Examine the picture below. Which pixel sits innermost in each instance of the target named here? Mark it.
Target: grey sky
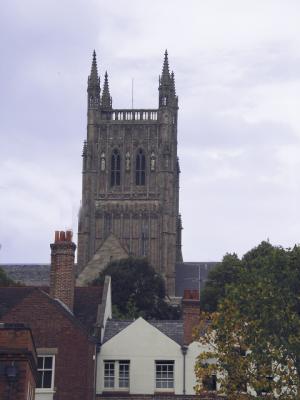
(237, 70)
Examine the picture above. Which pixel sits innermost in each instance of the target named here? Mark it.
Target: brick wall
(54, 327)
(191, 314)
(18, 356)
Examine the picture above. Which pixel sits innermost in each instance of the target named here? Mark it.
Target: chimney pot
(69, 235)
(56, 237)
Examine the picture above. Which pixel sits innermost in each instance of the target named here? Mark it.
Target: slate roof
(191, 275)
(113, 327)
(187, 274)
(171, 328)
(28, 274)
(86, 302)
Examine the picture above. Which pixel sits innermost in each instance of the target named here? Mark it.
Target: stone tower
(130, 187)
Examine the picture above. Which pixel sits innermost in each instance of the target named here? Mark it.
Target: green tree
(253, 339)
(137, 290)
(5, 280)
(218, 279)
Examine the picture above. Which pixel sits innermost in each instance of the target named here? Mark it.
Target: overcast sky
(237, 70)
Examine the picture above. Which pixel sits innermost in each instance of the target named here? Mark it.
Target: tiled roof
(171, 328)
(86, 301)
(113, 327)
(11, 296)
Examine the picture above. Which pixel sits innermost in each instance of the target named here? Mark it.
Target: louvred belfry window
(115, 178)
(140, 168)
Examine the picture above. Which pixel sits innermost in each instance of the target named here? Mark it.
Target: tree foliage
(137, 290)
(5, 280)
(253, 339)
(218, 278)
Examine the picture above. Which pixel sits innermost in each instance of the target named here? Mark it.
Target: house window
(140, 168)
(124, 374)
(45, 372)
(109, 374)
(210, 383)
(115, 177)
(164, 374)
(116, 374)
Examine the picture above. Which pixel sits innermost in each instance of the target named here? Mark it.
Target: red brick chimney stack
(62, 274)
(191, 314)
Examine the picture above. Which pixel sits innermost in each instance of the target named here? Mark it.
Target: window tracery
(115, 178)
(140, 168)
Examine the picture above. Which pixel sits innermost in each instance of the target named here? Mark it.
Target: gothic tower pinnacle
(165, 76)
(167, 92)
(94, 85)
(106, 100)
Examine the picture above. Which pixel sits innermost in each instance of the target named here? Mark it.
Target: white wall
(143, 344)
(108, 305)
(39, 395)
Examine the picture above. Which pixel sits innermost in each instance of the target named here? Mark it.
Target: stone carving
(152, 161)
(127, 161)
(102, 162)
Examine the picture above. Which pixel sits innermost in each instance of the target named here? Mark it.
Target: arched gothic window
(115, 177)
(140, 167)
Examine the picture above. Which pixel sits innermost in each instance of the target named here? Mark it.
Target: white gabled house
(149, 357)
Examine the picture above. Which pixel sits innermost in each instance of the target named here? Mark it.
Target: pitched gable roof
(171, 328)
(113, 327)
(86, 301)
(11, 296)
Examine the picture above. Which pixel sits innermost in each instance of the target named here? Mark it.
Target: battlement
(134, 115)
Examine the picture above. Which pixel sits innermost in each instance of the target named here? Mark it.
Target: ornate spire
(93, 78)
(173, 83)
(165, 76)
(94, 85)
(106, 101)
(167, 92)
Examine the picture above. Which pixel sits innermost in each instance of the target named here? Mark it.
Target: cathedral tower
(130, 187)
